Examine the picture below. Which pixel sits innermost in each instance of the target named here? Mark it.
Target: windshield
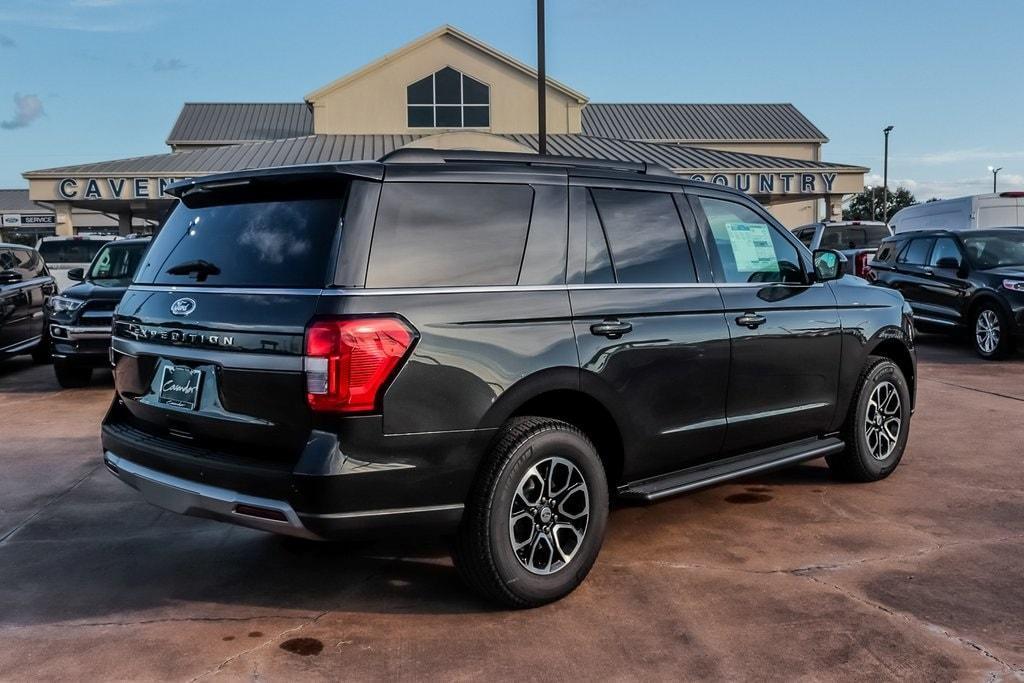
(116, 264)
(853, 236)
(996, 248)
(271, 236)
(69, 251)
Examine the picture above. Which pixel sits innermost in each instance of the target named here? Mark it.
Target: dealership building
(448, 90)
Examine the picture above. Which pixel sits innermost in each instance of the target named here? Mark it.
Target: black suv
(25, 284)
(80, 318)
(492, 345)
(960, 281)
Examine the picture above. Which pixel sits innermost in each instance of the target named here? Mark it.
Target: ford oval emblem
(183, 306)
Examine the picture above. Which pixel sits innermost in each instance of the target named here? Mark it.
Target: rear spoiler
(276, 174)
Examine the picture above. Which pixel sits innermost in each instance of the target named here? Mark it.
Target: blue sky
(87, 80)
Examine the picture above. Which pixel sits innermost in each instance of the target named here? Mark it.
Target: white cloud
(84, 15)
(953, 156)
(924, 190)
(27, 108)
(172, 64)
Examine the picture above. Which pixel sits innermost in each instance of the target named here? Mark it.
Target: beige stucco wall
(795, 214)
(375, 102)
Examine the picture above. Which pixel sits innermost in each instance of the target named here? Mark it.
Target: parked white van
(1002, 210)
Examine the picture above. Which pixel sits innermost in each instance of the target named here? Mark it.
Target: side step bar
(711, 473)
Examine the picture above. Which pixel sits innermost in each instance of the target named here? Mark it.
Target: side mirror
(948, 262)
(77, 274)
(828, 265)
(8, 277)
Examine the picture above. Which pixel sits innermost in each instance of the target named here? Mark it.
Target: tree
(867, 205)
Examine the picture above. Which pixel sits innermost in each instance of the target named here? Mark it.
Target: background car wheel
(71, 376)
(41, 353)
(992, 337)
(878, 425)
(535, 521)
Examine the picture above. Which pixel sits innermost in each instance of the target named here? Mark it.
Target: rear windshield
(995, 249)
(267, 237)
(69, 251)
(116, 264)
(853, 236)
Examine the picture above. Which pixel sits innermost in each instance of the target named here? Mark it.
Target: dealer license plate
(179, 386)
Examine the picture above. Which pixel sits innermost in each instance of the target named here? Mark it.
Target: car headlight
(62, 304)
(1014, 285)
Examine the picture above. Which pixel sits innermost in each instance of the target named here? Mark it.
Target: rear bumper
(324, 493)
(187, 497)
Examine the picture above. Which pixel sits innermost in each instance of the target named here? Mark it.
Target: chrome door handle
(751, 320)
(613, 329)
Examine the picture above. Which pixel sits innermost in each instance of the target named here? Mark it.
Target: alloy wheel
(883, 420)
(549, 516)
(986, 331)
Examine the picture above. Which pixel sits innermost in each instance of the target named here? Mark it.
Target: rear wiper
(201, 268)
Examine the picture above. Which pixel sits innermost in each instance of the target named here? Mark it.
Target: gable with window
(449, 99)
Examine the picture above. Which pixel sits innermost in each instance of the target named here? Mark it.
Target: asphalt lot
(782, 576)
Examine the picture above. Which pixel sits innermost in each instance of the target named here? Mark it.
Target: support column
(124, 222)
(834, 207)
(65, 224)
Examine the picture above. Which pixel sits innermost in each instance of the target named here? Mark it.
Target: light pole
(995, 172)
(542, 84)
(885, 177)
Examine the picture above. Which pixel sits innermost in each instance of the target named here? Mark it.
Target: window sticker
(752, 247)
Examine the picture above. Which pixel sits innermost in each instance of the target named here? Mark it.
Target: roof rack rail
(424, 155)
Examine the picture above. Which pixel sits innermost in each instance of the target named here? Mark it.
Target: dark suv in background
(81, 316)
(25, 285)
(491, 345)
(970, 281)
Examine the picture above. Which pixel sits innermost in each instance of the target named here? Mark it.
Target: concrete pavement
(783, 576)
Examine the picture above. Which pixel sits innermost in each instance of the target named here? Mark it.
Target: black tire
(991, 314)
(41, 352)
(483, 548)
(71, 376)
(867, 459)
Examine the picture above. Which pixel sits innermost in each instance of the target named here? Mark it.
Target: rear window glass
(69, 251)
(449, 234)
(853, 236)
(286, 240)
(645, 235)
(887, 251)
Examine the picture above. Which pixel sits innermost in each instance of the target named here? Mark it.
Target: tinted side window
(7, 260)
(945, 247)
(916, 253)
(645, 236)
(748, 248)
(449, 234)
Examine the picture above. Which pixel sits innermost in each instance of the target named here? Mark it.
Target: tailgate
(222, 371)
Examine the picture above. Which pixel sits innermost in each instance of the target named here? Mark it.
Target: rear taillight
(349, 360)
(860, 264)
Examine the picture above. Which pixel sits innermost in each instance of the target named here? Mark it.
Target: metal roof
(229, 122)
(313, 149)
(222, 123)
(700, 122)
(17, 200)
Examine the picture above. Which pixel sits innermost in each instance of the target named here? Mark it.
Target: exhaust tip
(260, 512)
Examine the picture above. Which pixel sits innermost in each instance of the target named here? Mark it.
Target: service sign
(18, 220)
